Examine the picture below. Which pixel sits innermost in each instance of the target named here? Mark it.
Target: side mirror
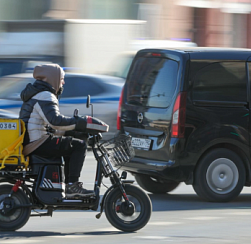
(88, 102)
(75, 114)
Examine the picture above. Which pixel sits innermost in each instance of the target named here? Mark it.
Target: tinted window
(81, 86)
(219, 81)
(152, 82)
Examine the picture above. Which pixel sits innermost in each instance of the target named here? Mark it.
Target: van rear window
(152, 82)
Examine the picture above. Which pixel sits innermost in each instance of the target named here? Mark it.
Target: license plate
(141, 143)
(8, 126)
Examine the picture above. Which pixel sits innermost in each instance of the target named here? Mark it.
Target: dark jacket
(40, 109)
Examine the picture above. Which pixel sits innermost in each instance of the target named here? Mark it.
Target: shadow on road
(172, 202)
(160, 202)
(32, 234)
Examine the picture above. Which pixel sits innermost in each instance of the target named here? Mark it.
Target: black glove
(81, 124)
(76, 134)
(49, 129)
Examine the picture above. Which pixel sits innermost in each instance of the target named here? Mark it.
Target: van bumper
(161, 169)
(168, 170)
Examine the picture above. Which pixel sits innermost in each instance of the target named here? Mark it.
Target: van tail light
(156, 54)
(179, 116)
(119, 110)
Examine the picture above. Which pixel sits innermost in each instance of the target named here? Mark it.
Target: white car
(104, 90)
(7, 114)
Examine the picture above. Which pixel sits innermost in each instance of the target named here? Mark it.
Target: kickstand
(101, 211)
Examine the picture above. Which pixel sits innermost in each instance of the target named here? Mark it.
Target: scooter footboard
(50, 186)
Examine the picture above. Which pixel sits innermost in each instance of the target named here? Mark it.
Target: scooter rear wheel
(128, 218)
(16, 218)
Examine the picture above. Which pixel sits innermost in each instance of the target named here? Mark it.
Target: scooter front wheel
(128, 217)
(12, 218)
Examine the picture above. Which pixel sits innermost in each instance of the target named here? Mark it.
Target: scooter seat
(37, 162)
(35, 159)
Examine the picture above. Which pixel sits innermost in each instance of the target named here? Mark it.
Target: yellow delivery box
(11, 138)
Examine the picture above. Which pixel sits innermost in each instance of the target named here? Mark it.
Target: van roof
(140, 44)
(217, 53)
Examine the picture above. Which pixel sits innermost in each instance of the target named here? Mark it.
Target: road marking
(70, 236)
(164, 223)
(240, 213)
(89, 156)
(151, 237)
(204, 218)
(107, 229)
(20, 241)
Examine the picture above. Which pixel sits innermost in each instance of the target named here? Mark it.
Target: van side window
(219, 81)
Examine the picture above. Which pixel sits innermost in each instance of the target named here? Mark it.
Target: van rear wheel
(220, 176)
(154, 185)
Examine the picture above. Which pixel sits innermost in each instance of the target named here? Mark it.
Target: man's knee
(79, 145)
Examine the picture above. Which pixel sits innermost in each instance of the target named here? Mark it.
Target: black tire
(153, 185)
(18, 217)
(142, 206)
(220, 176)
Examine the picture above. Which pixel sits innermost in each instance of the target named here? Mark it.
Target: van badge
(140, 117)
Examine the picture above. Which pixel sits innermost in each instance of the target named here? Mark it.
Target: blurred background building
(205, 22)
(102, 37)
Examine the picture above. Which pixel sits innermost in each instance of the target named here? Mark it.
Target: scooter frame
(104, 169)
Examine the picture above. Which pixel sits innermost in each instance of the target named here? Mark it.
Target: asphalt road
(178, 217)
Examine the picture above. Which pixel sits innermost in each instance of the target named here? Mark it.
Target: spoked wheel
(128, 217)
(13, 219)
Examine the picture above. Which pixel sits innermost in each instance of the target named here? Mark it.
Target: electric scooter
(25, 191)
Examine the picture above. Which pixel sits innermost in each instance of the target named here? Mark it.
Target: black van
(187, 111)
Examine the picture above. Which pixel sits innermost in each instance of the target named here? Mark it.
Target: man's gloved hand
(49, 129)
(81, 124)
(76, 134)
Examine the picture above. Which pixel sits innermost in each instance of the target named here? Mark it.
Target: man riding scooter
(48, 133)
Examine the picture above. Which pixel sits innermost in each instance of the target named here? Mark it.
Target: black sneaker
(76, 190)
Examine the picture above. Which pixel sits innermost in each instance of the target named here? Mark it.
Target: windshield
(152, 82)
(11, 87)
